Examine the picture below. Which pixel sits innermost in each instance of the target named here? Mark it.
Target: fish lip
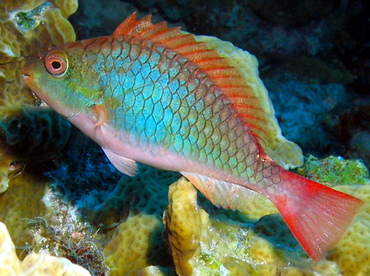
(28, 79)
(25, 72)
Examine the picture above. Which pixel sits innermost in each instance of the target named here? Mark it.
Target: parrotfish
(153, 94)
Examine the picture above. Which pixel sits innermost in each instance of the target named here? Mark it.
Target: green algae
(333, 171)
(29, 20)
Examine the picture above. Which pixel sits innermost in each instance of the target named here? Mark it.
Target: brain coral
(34, 264)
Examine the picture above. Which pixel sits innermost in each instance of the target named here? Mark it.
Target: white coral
(34, 264)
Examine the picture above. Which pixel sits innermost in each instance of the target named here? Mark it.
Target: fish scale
(154, 95)
(182, 104)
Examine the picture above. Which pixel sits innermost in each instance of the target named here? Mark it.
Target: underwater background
(62, 197)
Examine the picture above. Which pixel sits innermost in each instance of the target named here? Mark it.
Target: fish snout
(26, 70)
(27, 75)
(27, 67)
(32, 65)
(29, 71)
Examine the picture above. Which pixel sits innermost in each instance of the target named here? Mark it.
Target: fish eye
(56, 63)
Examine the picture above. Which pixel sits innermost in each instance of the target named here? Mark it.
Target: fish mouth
(27, 75)
(29, 80)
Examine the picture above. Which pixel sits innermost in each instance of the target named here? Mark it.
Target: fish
(153, 94)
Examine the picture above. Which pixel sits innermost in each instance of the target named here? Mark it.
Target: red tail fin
(317, 215)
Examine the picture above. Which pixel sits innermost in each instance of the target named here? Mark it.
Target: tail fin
(317, 215)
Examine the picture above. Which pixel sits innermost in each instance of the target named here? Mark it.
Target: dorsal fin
(226, 77)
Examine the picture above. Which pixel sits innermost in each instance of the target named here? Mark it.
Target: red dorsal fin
(131, 26)
(226, 77)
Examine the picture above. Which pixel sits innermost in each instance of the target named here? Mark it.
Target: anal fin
(223, 194)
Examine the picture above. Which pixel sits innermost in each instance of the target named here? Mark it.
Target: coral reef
(202, 245)
(28, 27)
(137, 241)
(146, 192)
(16, 204)
(43, 221)
(32, 141)
(27, 134)
(34, 264)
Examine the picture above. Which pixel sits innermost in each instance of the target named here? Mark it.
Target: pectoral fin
(101, 114)
(223, 194)
(121, 163)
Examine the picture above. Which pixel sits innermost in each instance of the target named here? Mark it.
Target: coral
(28, 27)
(333, 171)
(284, 152)
(204, 245)
(146, 192)
(42, 217)
(139, 202)
(128, 251)
(76, 241)
(34, 264)
(352, 253)
(18, 203)
(186, 228)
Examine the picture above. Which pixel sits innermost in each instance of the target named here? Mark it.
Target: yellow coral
(352, 253)
(284, 152)
(127, 252)
(28, 27)
(34, 264)
(17, 204)
(203, 246)
(186, 225)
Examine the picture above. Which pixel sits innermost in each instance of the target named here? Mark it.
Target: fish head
(62, 80)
